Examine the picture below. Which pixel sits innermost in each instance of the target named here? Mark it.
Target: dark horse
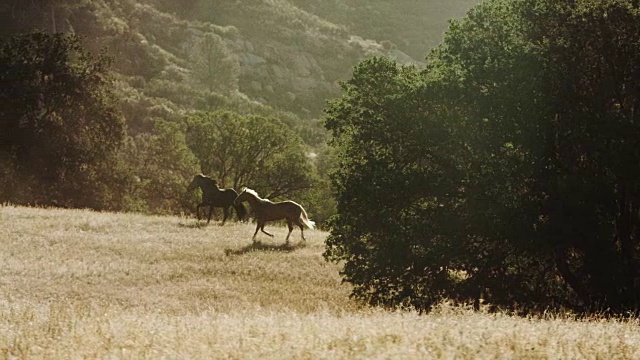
(265, 210)
(213, 196)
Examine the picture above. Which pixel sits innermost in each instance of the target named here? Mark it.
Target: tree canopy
(505, 171)
(257, 151)
(60, 128)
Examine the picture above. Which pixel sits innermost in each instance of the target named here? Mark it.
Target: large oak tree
(506, 170)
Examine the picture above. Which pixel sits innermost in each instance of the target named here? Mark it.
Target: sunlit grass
(81, 284)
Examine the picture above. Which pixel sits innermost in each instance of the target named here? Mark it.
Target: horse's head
(242, 196)
(197, 180)
(247, 194)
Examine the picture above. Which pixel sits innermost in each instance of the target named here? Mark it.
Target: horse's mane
(254, 193)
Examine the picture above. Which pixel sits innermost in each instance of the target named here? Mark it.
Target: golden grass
(80, 284)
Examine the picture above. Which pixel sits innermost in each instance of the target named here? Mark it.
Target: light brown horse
(265, 210)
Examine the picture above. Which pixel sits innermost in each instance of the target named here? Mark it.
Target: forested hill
(183, 76)
(196, 54)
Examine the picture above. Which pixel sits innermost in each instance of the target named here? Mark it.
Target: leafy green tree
(60, 128)
(255, 151)
(160, 168)
(397, 187)
(504, 170)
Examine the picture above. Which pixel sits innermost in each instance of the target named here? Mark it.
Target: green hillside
(283, 55)
(413, 27)
(273, 59)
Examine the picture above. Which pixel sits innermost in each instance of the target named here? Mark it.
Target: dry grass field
(79, 284)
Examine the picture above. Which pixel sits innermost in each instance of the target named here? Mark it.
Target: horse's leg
(262, 229)
(256, 233)
(290, 225)
(240, 212)
(225, 211)
(302, 232)
(210, 211)
(301, 226)
(198, 211)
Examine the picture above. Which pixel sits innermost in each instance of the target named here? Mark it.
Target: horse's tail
(305, 219)
(241, 211)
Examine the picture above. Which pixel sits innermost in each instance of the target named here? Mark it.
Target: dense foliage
(250, 150)
(505, 171)
(159, 165)
(60, 127)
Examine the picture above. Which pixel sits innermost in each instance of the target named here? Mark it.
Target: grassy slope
(75, 283)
